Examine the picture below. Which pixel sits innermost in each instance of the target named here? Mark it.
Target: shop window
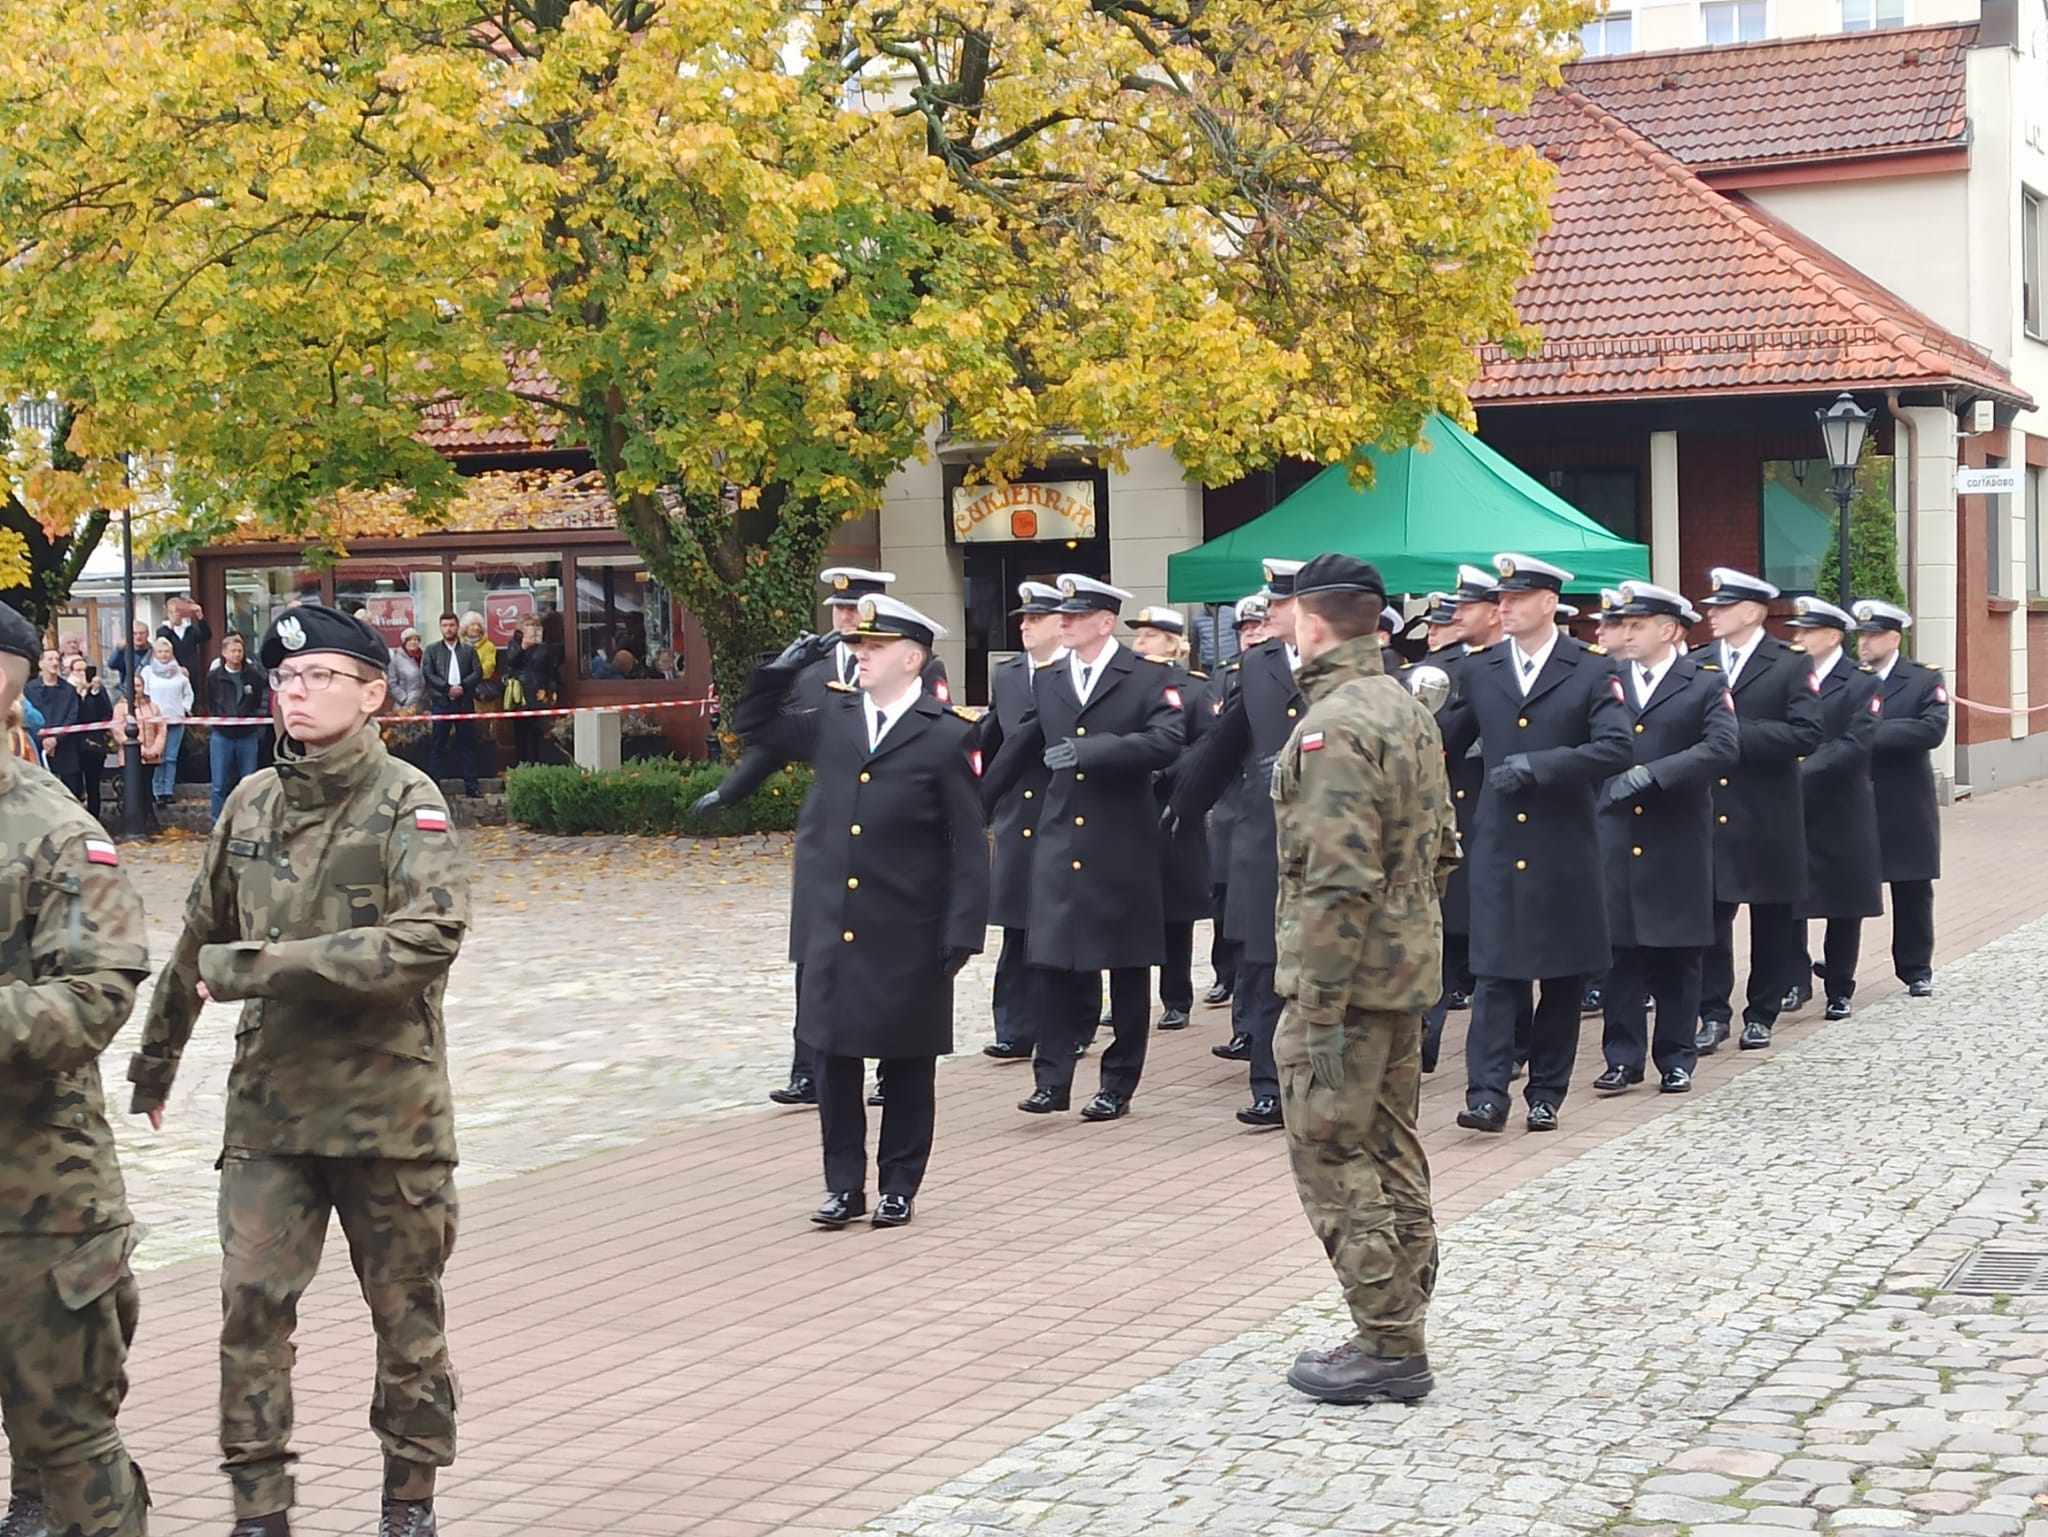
(507, 590)
(1734, 21)
(394, 596)
(1609, 34)
(624, 620)
(255, 594)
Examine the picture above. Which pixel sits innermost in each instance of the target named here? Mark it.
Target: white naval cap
(1819, 614)
(1476, 584)
(1037, 598)
(1732, 586)
(1525, 573)
(1086, 595)
(1249, 609)
(885, 618)
(1279, 575)
(850, 584)
(1171, 620)
(1874, 616)
(1646, 600)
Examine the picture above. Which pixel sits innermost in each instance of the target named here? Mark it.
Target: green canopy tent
(1428, 510)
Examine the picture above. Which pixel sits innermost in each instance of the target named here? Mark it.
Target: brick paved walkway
(653, 1340)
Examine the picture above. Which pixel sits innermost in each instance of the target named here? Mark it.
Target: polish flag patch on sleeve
(974, 762)
(429, 820)
(1614, 683)
(1940, 694)
(1876, 705)
(1173, 697)
(1312, 742)
(945, 695)
(98, 851)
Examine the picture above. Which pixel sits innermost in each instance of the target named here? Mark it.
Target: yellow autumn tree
(749, 252)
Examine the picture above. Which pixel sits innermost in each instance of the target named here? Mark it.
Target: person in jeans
(234, 686)
(168, 687)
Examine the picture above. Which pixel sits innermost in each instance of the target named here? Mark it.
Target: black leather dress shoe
(1756, 1035)
(1542, 1117)
(1616, 1080)
(1708, 1038)
(1838, 1008)
(1173, 1019)
(840, 1208)
(1796, 999)
(1484, 1118)
(892, 1211)
(1220, 993)
(1238, 1049)
(1042, 1102)
(1589, 1001)
(1458, 1000)
(1677, 1081)
(1106, 1107)
(1924, 988)
(1264, 1113)
(1004, 1051)
(802, 1090)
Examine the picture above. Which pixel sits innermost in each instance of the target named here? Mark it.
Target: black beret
(1338, 573)
(305, 628)
(18, 637)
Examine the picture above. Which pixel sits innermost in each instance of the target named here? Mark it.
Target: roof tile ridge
(1845, 41)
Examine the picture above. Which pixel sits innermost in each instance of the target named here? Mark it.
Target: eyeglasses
(312, 679)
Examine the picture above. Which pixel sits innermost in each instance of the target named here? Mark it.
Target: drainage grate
(1992, 1271)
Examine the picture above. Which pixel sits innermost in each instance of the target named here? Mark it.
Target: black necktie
(1528, 664)
(852, 667)
(1085, 670)
(1645, 674)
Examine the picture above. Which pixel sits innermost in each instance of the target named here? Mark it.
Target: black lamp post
(135, 807)
(1842, 426)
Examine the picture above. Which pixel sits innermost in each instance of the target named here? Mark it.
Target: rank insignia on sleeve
(1313, 742)
(429, 820)
(98, 851)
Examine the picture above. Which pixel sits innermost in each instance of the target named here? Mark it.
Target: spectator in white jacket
(169, 688)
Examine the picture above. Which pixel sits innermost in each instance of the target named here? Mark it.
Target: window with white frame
(1613, 33)
(1869, 15)
(1733, 21)
(2036, 484)
(2031, 275)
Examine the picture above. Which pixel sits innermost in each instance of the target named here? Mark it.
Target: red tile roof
(450, 429)
(1650, 282)
(1816, 98)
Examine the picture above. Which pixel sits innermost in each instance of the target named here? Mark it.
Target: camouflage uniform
(72, 960)
(1367, 841)
(332, 900)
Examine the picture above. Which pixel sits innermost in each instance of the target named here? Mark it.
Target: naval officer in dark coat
(1759, 810)
(831, 660)
(1549, 715)
(891, 883)
(1014, 820)
(1249, 616)
(1103, 721)
(1842, 865)
(1914, 723)
(1657, 837)
(1159, 635)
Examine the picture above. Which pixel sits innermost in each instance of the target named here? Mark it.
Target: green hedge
(652, 796)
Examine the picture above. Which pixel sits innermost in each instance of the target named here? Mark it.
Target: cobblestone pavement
(1720, 1323)
(608, 987)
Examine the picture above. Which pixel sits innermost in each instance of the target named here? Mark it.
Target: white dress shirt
(1529, 665)
(1646, 676)
(846, 664)
(1732, 659)
(880, 719)
(1087, 674)
(1822, 669)
(1293, 657)
(1884, 673)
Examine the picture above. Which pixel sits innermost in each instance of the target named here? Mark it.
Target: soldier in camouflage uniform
(331, 903)
(72, 960)
(1367, 842)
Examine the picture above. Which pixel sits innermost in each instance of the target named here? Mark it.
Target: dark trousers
(1255, 1012)
(905, 1146)
(93, 765)
(1067, 1018)
(1773, 963)
(1457, 979)
(461, 727)
(802, 1064)
(1499, 1004)
(1014, 1007)
(1913, 930)
(1672, 977)
(1177, 972)
(526, 738)
(1841, 950)
(1222, 951)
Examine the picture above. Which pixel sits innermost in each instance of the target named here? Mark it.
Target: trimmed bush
(651, 796)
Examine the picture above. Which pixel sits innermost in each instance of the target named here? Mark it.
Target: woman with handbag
(531, 670)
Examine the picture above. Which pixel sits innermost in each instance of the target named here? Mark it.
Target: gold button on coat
(1080, 731)
(1080, 821)
(1722, 820)
(1461, 794)
(1724, 781)
(1029, 793)
(1521, 816)
(1522, 720)
(855, 829)
(1077, 864)
(864, 776)
(1079, 777)
(853, 883)
(847, 936)
(1292, 712)
(1027, 832)
(1639, 811)
(1637, 851)
(1521, 864)
(1639, 728)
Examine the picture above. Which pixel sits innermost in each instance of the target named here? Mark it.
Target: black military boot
(25, 1516)
(1348, 1375)
(278, 1524)
(407, 1518)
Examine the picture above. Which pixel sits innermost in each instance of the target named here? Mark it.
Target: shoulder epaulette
(1793, 645)
(1865, 667)
(1710, 667)
(1041, 666)
(1202, 675)
(1597, 650)
(842, 688)
(964, 713)
(1232, 665)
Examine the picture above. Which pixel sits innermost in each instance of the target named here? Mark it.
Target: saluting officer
(1015, 821)
(1548, 713)
(1250, 618)
(1842, 864)
(832, 658)
(74, 958)
(1241, 749)
(1914, 723)
(330, 903)
(1657, 836)
(1159, 635)
(890, 890)
(1103, 721)
(1759, 811)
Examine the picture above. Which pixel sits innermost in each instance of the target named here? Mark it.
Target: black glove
(1063, 754)
(952, 958)
(705, 804)
(1626, 786)
(797, 655)
(822, 646)
(1512, 773)
(1169, 822)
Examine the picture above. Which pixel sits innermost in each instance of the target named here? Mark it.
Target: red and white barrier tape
(471, 715)
(1997, 709)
